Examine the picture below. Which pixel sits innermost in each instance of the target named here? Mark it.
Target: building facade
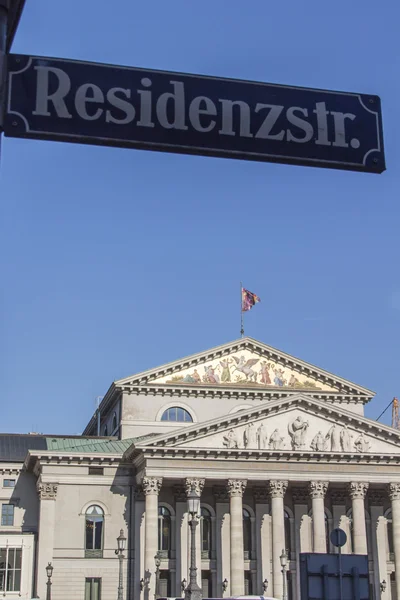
(278, 450)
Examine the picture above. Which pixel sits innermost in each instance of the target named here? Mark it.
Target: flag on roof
(248, 300)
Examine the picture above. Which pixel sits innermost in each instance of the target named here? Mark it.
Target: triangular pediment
(246, 363)
(294, 424)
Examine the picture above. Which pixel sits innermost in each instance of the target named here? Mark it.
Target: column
(300, 498)
(138, 542)
(317, 490)
(151, 488)
(263, 540)
(222, 540)
(236, 489)
(277, 490)
(376, 501)
(357, 491)
(47, 494)
(197, 485)
(394, 495)
(181, 536)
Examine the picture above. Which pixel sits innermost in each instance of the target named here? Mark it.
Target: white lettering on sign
(172, 109)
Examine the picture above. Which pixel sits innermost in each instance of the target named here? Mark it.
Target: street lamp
(225, 585)
(383, 586)
(157, 560)
(265, 585)
(284, 559)
(121, 541)
(49, 572)
(193, 590)
(183, 584)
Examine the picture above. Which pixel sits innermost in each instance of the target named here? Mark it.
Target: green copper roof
(92, 445)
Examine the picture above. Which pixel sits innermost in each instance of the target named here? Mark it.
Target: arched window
(205, 529)
(177, 414)
(164, 529)
(246, 534)
(390, 531)
(114, 422)
(94, 526)
(287, 532)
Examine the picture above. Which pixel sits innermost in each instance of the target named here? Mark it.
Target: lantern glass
(121, 540)
(49, 570)
(193, 503)
(283, 558)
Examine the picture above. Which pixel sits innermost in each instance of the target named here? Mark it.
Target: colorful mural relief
(244, 368)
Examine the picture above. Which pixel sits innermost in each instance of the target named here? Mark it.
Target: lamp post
(49, 571)
(121, 541)
(157, 560)
(284, 559)
(193, 590)
(183, 585)
(383, 586)
(265, 585)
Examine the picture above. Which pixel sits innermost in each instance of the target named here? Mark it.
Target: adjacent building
(278, 450)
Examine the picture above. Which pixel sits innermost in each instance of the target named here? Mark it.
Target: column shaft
(317, 492)
(277, 492)
(236, 488)
(151, 488)
(47, 493)
(357, 492)
(394, 492)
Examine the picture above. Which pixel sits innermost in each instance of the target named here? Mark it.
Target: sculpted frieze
(295, 430)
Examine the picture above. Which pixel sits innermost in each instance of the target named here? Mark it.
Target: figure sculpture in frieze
(250, 436)
(318, 443)
(276, 441)
(226, 373)
(245, 366)
(297, 430)
(333, 439)
(262, 437)
(362, 444)
(264, 373)
(346, 439)
(230, 439)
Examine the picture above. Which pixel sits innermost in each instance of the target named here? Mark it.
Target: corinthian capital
(151, 485)
(236, 487)
(394, 491)
(47, 491)
(194, 484)
(317, 489)
(357, 489)
(277, 488)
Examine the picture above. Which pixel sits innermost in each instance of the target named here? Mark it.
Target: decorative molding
(195, 484)
(277, 488)
(394, 491)
(236, 487)
(300, 495)
(151, 485)
(261, 495)
(317, 489)
(220, 493)
(179, 492)
(376, 497)
(357, 489)
(338, 496)
(47, 491)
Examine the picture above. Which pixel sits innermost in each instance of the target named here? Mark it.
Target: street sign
(92, 103)
(338, 537)
(14, 14)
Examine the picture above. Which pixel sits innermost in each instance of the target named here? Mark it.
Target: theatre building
(278, 450)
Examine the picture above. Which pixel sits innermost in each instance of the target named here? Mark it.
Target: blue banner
(92, 103)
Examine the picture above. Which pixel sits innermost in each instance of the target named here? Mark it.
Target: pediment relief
(298, 424)
(245, 367)
(246, 363)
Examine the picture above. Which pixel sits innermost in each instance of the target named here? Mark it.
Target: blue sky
(117, 260)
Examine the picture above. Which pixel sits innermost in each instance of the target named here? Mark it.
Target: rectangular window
(9, 483)
(7, 514)
(96, 471)
(93, 588)
(10, 569)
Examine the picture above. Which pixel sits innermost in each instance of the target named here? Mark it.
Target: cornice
(34, 459)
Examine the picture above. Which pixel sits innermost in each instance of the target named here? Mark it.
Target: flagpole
(241, 311)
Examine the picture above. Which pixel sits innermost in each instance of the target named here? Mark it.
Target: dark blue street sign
(92, 103)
